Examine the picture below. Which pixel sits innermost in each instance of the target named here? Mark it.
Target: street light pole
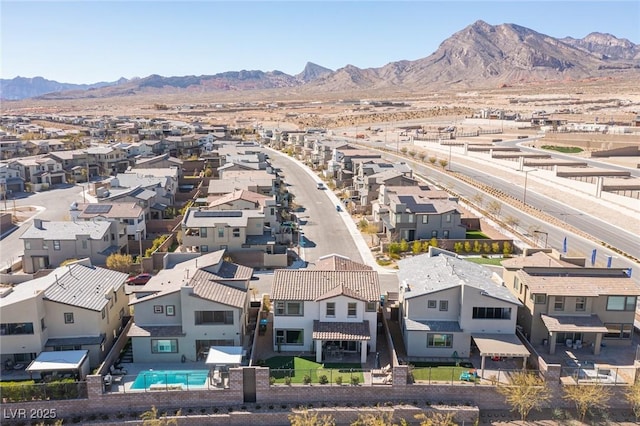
(450, 157)
(546, 236)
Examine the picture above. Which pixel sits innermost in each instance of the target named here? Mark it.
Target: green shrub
(355, 380)
(338, 380)
(323, 379)
(306, 379)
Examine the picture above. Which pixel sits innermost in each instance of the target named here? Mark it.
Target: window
(158, 309)
(516, 283)
(410, 218)
(290, 337)
(434, 234)
(444, 305)
(621, 303)
(447, 218)
(115, 296)
(445, 234)
(435, 340)
(204, 248)
(164, 346)
(432, 304)
(84, 244)
(220, 232)
(236, 232)
(68, 317)
(618, 331)
(289, 308)
(104, 312)
(352, 309)
(45, 245)
(331, 309)
(558, 303)
(203, 232)
(371, 306)
(43, 326)
(16, 328)
(27, 245)
(540, 299)
(581, 303)
(491, 313)
(425, 218)
(170, 310)
(213, 317)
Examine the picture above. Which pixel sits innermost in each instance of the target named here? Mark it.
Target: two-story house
(129, 217)
(10, 179)
(447, 302)
(48, 244)
(189, 307)
(567, 304)
(415, 216)
(246, 200)
(41, 172)
(77, 306)
(330, 312)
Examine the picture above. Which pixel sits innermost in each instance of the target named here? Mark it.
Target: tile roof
(67, 230)
(537, 259)
(579, 285)
(341, 290)
(341, 330)
(289, 284)
(205, 286)
(424, 274)
(85, 286)
(336, 262)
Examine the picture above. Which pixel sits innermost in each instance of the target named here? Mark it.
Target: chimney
(37, 223)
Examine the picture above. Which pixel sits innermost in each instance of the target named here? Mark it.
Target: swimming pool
(157, 378)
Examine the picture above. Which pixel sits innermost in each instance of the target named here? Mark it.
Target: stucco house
(189, 307)
(48, 243)
(76, 306)
(568, 304)
(448, 305)
(332, 312)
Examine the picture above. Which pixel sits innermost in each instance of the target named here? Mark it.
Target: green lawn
(564, 149)
(298, 367)
(476, 235)
(497, 261)
(439, 373)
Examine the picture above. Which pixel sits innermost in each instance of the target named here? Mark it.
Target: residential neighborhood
(196, 249)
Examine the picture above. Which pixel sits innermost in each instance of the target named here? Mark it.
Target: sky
(88, 41)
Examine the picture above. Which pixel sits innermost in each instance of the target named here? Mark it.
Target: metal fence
(462, 375)
(153, 381)
(591, 374)
(21, 392)
(323, 376)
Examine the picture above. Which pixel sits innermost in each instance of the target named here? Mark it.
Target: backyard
(439, 372)
(300, 370)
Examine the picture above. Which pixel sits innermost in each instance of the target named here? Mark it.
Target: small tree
(433, 242)
(457, 247)
(416, 247)
(506, 248)
(476, 246)
(403, 150)
(306, 418)
(495, 247)
(119, 262)
(494, 207)
(586, 397)
(443, 163)
(512, 221)
(467, 247)
(435, 419)
(478, 199)
(433, 160)
(412, 153)
(422, 156)
(152, 418)
(633, 396)
(486, 248)
(527, 392)
(380, 418)
(404, 246)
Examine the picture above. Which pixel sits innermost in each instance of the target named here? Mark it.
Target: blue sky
(91, 41)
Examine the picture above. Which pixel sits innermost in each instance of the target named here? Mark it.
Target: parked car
(141, 279)
(320, 185)
(338, 208)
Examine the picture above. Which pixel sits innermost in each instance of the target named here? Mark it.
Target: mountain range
(478, 56)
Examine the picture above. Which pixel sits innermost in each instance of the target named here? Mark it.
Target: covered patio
(220, 359)
(334, 339)
(498, 346)
(574, 331)
(61, 364)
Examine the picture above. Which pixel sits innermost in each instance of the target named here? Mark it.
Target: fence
(588, 373)
(60, 390)
(154, 381)
(322, 376)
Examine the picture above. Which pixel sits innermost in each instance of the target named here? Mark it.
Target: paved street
(52, 205)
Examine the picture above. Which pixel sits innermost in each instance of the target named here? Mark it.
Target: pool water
(186, 378)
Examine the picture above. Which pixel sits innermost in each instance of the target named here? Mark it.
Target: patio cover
(568, 324)
(502, 345)
(341, 330)
(225, 355)
(58, 361)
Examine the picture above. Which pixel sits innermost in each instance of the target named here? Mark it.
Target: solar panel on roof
(98, 208)
(217, 213)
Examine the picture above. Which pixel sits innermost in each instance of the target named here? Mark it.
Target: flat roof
(507, 345)
(225, 355)
(58, 360)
